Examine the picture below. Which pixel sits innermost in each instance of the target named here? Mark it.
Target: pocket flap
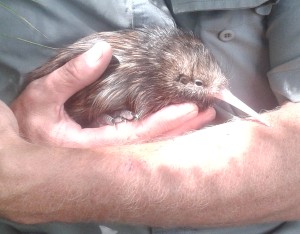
(181, 6)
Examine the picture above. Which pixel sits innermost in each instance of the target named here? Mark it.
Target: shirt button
(226, 35)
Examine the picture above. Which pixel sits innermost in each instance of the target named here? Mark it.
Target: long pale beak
(226, 96)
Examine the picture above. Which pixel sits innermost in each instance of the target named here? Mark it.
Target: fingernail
(94, 54)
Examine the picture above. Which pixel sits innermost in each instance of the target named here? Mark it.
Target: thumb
(79, 72)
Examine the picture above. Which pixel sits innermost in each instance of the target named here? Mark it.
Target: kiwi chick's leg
(102, 120)
(123, 116)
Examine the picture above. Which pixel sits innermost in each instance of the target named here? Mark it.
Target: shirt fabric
(256, 43)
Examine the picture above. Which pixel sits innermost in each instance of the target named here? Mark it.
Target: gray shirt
(256, 43)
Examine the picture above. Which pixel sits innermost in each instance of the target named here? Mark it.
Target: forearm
(236, 173)
(223, 175)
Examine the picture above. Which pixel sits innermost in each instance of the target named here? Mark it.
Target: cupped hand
(42, 118)
(8, 123)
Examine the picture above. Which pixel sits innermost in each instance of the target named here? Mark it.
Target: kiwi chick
(150, 69)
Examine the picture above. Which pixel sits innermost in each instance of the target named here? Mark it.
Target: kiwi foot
(115, 118)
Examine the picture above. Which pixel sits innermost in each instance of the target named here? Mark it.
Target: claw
(116, 118)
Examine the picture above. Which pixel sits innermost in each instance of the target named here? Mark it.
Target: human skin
(236, 173)
(42, 118)
(242, 169)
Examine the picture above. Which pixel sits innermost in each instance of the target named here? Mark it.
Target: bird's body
(150, 69)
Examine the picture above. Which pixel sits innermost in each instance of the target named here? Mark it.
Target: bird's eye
(183, 79)
(198, 82)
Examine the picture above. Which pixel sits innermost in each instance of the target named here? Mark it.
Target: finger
(79, 72)
(200, 121)
(165, 120)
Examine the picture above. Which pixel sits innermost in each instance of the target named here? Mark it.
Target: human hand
(246, 162)
(8, 124)
(42, 118)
